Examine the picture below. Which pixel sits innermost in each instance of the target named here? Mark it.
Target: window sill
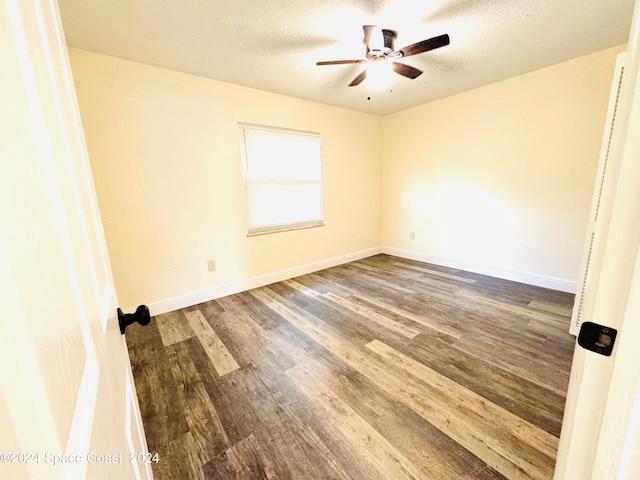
(283, 228)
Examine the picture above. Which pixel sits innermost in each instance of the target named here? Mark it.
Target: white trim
(253, 232)
(255, 126)
(134, 421)
(603, 197)
(188, 300)
(553, 283)
(128, 424)
(599, 438)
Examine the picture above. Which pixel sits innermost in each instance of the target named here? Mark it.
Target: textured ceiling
(273, 44)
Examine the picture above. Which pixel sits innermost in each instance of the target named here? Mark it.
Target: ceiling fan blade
(423, 46)
(406, 70)
(340, 62)
(358, 80)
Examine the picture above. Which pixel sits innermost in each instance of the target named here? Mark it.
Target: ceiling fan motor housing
(374, 54)
(379, 43)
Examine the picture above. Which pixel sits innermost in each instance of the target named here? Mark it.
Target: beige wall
(165, 154)
(497, 180)
(500, 177)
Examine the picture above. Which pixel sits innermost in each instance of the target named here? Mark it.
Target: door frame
(600, 435)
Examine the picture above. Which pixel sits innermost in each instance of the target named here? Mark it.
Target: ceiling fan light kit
(380, 50)
(379, 75)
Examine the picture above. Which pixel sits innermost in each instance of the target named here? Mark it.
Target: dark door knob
(141, 315)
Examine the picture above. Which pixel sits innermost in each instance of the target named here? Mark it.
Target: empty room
(313, 240)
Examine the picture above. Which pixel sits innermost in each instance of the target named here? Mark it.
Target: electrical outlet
(211, 265)
(412, 235)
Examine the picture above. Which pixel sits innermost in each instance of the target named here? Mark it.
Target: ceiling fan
(379, 43)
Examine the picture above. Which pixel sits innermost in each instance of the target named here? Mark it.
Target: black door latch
(597, 338)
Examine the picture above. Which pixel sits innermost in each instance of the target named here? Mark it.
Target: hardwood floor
(383, 368)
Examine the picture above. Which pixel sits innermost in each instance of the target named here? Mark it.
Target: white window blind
(282, 172)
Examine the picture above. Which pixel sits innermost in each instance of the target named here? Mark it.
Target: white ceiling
(273, 44)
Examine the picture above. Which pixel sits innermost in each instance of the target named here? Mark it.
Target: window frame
(248, 181)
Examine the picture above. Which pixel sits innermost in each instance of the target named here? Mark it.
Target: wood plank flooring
(384, 368)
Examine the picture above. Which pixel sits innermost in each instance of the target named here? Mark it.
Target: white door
(600, 436)
(68, 409)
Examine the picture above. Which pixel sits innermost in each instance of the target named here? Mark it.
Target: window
(282, 172)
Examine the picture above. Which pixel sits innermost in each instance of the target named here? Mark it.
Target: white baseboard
(190, 299)
(195, 298)
(553, 283)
